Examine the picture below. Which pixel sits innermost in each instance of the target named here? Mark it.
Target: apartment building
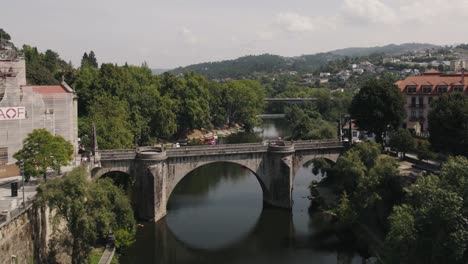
(421, 90)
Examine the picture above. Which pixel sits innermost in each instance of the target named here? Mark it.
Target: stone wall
(24, 237)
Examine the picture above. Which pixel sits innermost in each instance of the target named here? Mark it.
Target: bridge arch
(182, 174)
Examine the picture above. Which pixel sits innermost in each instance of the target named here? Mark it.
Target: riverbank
(220, 132)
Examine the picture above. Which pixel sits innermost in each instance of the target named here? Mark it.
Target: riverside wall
(23, 238)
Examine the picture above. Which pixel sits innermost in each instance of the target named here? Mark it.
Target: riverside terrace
(157, 171)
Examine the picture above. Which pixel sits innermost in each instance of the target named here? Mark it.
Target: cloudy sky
(174, 33)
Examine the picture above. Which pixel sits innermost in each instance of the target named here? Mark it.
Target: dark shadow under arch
(121, 179)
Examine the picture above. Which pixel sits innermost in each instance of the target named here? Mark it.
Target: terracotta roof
(48, 89)
(439, 79)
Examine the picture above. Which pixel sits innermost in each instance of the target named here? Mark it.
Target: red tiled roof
(48, 89)
(438, 79)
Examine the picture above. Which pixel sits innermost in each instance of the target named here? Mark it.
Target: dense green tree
(368, 152)
(111, 118)
(402, 141)
(373, 185)
(348, 170)
(41, 151)
(85, 60)
(308, 124)
(4, 35)
(51, 59)
(45, 68)
(423, 150)
(454, 176)
(242, 101)
(448, 124)
(92, 61)
(91, 210)
(345, 212)
(378, 107)
(440, 229)
(402, 235)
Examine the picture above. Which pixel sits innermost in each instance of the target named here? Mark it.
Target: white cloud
(188, 36)
(433, 11)
(294, 22)
(265, 35)
(369, 11)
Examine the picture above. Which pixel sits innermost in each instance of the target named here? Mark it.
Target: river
(216, 215)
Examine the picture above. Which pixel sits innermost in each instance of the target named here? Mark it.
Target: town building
(24, 107)
(421, 90)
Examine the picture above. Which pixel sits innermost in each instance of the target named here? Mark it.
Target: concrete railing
(120, 154)
(160, 153)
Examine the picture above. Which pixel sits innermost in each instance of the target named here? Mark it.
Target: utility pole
(22, 180)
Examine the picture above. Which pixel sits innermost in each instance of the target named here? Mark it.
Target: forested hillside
(253, 65)
(391, 49)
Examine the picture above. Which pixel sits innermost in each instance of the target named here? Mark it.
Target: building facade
(24, 107)
(419, 92)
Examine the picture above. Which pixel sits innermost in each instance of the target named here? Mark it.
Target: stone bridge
(157, 171)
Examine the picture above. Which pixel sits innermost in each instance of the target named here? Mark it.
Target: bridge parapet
(121, 154)
(182, 152)
(151, 153)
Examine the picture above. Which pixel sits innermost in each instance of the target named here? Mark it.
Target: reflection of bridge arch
(157, 171)
(259, 237)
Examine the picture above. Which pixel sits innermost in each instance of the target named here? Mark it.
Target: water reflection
(207, 209)
(271, 129)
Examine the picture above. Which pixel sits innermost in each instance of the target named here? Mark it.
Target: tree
(345, 212)
(85, 60)
(41, 151)
(92, 61)
(440, 232)
(4, 35)
(454, 176)
(402, 141)
(91, 209)
(378, 107)
(111, 117)
(448, 124)
(423, 150)
(368, 152)
(401, 236)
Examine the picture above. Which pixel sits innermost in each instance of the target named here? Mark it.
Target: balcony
(416, 119)
(419, 106)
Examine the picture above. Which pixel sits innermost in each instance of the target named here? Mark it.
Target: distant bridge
(290, 100)
(157, 170)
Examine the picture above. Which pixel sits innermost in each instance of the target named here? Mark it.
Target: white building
(24, 107)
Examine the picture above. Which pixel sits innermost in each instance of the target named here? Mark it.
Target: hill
(391, 49)
(249, 66)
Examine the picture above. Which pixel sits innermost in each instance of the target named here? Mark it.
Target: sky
(168, 34)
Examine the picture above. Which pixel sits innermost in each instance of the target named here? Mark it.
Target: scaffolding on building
(24, 108)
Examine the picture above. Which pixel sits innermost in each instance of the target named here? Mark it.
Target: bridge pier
(278, 176)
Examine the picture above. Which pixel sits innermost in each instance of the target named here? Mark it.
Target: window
(458, 88)
(411, 88)
(3, 155)
(420, 113)
(413, 114)
(427, 89)
(442, 88)
(429, 100)
(420, 100)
